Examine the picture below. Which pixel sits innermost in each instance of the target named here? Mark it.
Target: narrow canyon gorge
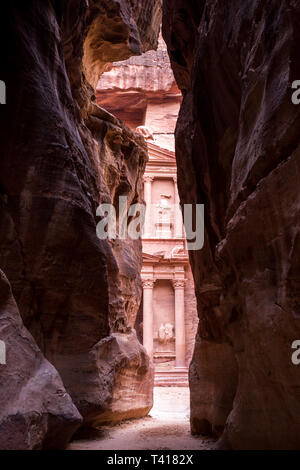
(69, 300)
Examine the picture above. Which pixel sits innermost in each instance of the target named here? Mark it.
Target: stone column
(148, 315)
(148, 199)
(177, 212)
(179, 322)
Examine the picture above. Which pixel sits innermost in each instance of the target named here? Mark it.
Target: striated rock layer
(238, 153)
(117, 30)
(62, 155)
(142, 91)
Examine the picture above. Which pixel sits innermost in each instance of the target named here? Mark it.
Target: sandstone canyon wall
(62, 155)
(237, 144)
(142, 91)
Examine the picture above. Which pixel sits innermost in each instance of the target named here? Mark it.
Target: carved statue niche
(166, 333)
(163, 224)
(163, 205)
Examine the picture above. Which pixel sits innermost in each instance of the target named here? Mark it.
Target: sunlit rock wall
(142, 91)
(117, 30)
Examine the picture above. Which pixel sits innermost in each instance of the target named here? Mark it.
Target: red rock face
(36, 411)
(142, 91)
(238, 153)
(117, 30)
(61, 156)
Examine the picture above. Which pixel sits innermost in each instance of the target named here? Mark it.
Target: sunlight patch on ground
(166, 428)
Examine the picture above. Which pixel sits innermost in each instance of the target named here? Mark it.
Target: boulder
(36, 411)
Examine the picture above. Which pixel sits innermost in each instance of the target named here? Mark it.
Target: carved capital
(178, 283)
(148, 179)
(148, 283)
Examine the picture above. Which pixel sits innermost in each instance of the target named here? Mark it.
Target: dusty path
(166, 427)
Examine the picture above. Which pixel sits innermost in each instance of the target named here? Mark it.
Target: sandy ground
(166, 428)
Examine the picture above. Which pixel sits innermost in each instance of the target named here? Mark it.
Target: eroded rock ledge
(238, 153)
(61, 156)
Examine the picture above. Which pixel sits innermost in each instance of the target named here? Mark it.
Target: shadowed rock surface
(238, 153)
(36, 411)
(61, 156)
